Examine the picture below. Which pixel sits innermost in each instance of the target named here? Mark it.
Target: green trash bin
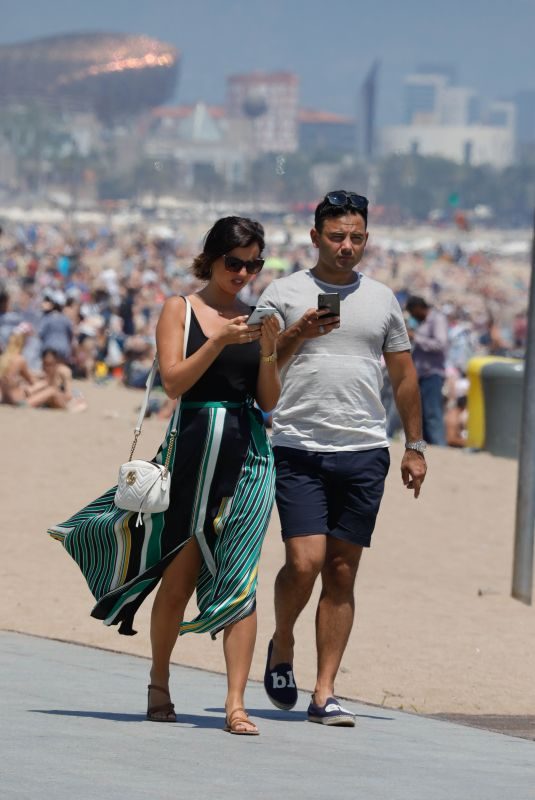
(502, 391)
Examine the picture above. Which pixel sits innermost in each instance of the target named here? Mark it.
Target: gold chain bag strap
(144, 486)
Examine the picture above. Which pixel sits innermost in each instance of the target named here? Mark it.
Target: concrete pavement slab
(73, 726)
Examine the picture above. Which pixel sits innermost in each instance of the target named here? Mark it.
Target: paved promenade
(72, 726)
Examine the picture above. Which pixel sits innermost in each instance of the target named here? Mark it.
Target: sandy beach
(437, 630)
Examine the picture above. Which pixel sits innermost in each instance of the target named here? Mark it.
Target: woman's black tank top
(233, 374)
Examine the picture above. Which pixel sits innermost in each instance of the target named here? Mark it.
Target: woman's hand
(268, 386)
(269, 333)
(236, 332)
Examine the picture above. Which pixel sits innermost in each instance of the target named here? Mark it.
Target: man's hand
(413, 470)
(312, 324)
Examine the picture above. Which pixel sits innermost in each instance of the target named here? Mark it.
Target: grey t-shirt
(331, 392)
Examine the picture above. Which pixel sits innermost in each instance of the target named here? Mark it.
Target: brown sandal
(239, 717)
(162, 708)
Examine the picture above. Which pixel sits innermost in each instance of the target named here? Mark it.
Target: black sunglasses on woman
(235, 264)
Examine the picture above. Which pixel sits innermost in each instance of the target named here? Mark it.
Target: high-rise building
(270, 102)
(445, 120)
(431, 99)
(366, 142)
(458, 106)
(525, 117)
(423, 96)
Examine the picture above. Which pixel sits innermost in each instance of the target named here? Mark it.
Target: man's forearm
(407, 399)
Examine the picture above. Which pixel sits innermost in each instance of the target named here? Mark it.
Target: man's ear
(314, 235)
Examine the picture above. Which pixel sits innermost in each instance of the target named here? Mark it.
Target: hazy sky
(330, 45)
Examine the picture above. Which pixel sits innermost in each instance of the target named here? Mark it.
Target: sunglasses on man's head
(342, 199)
(235, 264)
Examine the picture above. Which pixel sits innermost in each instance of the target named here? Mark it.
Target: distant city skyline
(329, 48)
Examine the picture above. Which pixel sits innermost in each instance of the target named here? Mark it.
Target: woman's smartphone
(258, 314)
(330, 300)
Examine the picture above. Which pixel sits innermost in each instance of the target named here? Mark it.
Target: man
(330, 442)
(55, 328)
(429, 349)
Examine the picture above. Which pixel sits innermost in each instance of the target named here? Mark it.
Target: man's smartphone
(330, 300)
(258, 314)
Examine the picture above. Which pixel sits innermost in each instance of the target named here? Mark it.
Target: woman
(221, 486)
(55, 388)
(15, 375)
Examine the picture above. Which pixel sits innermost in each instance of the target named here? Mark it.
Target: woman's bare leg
(238, 646)
(176, 587)
(38, 386)
(50, 397)
(12, 395)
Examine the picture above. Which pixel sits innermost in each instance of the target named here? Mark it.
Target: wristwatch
(419, 445)
(269, 359)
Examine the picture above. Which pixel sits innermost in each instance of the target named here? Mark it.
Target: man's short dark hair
(328, 210)
(415, 301)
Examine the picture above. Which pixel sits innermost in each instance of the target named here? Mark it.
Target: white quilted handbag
(144, 486)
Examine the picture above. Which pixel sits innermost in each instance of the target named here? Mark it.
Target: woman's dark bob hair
(226, 234)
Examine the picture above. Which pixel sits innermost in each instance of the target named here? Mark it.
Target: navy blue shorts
(337, 494)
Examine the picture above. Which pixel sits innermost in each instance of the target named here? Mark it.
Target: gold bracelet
(269, 359)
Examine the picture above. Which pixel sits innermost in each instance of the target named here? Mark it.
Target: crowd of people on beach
(81, 301)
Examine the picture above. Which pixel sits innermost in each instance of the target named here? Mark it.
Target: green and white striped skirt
(222, 490)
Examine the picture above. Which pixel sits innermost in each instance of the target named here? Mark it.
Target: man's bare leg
(305, 557)
(335, 613)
